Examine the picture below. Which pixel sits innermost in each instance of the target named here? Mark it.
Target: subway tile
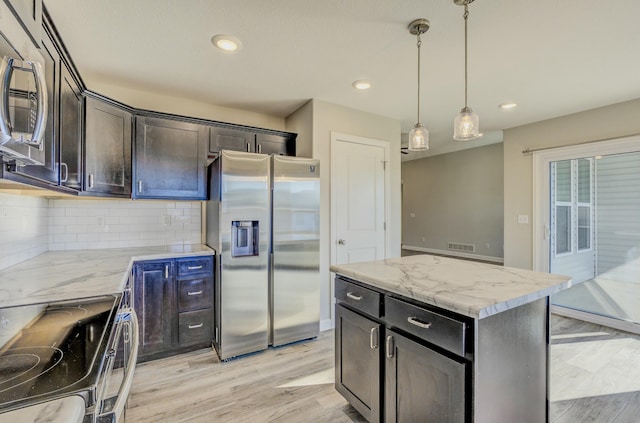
(75, 211)
(119, 212)
(76, 229)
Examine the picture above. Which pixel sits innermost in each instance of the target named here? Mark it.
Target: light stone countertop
(70, 409)
(63, 275)
(470, 288)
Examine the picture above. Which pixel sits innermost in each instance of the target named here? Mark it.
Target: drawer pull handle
(194, 293)
(389, 346)
(373, 338)
(418, 323)
(194, 267)
(199, 325)
(354, 297)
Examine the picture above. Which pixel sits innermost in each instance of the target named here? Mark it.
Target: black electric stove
(59, 351)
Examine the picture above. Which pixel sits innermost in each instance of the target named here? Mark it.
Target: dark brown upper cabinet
(170, 159)
(107, 142)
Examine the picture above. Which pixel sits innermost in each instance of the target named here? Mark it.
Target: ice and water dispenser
(244, 238)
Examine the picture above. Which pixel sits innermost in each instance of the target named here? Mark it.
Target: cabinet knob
(389, 346)
(373, 338)
(342, 241)
(416, 322)
(63, 166)
(353, 296)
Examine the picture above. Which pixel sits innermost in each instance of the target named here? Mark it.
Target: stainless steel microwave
(23, 95)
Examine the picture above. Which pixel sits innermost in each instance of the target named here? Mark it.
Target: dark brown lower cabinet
(397, 362)
(422, 385)
(174, 302)
(358, 360)
(153, 287)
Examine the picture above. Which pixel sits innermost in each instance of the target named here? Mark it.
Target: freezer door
(244, 215)
(295, 278)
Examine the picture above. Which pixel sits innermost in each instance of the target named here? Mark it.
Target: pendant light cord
(466, 17)
(419, 44)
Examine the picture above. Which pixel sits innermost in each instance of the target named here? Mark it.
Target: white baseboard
(596, 319)
(326, 324)
(454, 253)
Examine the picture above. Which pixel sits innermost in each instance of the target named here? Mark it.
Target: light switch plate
(523, 218)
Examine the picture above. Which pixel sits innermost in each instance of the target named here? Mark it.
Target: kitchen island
(427, 338)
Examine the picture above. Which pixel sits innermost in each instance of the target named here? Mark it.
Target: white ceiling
(552, 57)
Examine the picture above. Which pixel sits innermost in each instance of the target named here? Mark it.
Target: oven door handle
(125, 387)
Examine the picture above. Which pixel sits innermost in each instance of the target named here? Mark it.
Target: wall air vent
(467, 248)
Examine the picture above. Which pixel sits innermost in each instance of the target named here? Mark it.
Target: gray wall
(608, 122)
(456, 197)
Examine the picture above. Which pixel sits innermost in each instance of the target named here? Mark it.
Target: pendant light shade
(418, 138)
(419, 135)
(466, 125)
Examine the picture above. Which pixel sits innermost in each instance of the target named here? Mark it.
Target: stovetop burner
(20, 367)
(59, 351)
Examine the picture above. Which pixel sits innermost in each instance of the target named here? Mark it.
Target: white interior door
(358, 198)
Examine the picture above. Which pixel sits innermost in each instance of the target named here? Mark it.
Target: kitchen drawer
(358, 297)
(195, 266)
(435, 328)
(194, 294)
(195, 327)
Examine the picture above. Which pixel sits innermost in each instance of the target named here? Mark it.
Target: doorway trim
(337, 137)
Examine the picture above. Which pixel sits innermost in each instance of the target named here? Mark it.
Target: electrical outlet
(523, 219)
(424, 239)
(412, 215)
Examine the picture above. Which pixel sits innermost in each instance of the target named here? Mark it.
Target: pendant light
(466, 126)
(419, 136)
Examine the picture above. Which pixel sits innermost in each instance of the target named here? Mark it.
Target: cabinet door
(231, 139)
(422, 385)
(70, 130)
(274, 144)
(29, 12)
(170, 160)
(358, 362)
(155, 305)
(107, 148)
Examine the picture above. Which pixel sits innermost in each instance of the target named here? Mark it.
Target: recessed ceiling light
(226, 42)
(361, 85)
(508, 105)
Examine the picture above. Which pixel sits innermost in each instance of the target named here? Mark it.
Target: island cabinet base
(399, 360)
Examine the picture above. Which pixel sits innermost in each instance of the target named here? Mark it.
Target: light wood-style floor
(595, 377)
(288, 384)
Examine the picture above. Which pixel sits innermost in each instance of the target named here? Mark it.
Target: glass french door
(594, 233)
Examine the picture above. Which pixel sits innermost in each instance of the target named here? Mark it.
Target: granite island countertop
(469, 288)
(63, 275)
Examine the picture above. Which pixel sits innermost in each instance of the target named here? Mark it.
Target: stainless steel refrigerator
(262, 218)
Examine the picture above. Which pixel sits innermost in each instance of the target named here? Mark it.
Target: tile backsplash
(23, 228)
(110, 223)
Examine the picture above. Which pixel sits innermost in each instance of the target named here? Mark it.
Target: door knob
(342, 242)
